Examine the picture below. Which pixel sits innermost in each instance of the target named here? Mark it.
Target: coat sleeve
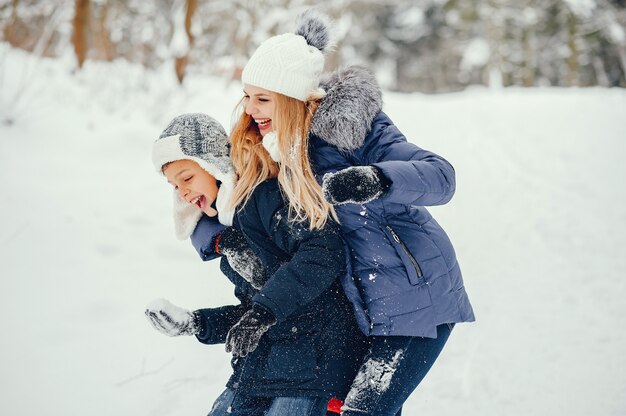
(417, 176)
(315, 259)
(203, 237)
(216, 322)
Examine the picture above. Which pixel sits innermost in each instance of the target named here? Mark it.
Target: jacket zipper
(418, 269)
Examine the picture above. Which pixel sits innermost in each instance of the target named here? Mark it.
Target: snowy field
(86, 241)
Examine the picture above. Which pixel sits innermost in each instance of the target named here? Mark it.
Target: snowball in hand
(170, 319)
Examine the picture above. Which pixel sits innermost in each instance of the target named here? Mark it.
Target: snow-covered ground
(86, 241)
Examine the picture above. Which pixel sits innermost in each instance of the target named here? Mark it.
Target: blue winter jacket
(405, 279)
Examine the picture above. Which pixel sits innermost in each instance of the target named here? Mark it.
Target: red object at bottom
(334, 405)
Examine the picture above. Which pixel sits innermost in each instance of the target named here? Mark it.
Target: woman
(406, 286)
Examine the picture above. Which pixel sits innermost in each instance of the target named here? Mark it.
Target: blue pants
(231, 404)
(391, 370)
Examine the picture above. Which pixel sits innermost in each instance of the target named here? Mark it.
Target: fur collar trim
(353, 98)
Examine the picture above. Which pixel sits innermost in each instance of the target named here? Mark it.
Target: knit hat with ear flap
(202, 139)
(292, 63)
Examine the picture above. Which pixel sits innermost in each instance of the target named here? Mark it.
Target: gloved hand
(171, 320)
(354, 185)
(244, 336)
(231, 239)
(233, 244)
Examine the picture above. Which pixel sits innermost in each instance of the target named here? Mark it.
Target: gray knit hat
(202, 139)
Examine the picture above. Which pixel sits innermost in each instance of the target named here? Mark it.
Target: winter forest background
(526, 99)
(428, 46)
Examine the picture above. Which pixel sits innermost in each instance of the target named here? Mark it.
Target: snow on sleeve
(246, 263)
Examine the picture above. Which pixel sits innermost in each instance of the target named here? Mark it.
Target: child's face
(194, 184)
(260, 105)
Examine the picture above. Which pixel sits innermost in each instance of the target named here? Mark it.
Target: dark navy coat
(315, 349)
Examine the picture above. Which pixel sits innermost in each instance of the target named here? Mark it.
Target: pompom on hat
(292, 63)
(202, 139)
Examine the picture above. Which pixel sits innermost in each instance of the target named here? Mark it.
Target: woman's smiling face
(193, 184)
(260, 105)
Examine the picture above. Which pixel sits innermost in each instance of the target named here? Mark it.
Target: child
(294, 339)
(406, 287)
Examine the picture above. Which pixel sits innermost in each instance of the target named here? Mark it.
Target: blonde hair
(254, 165)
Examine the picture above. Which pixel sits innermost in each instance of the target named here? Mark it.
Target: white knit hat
(202, 139)
(292, 63)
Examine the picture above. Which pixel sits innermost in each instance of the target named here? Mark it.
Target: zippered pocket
(416, 275)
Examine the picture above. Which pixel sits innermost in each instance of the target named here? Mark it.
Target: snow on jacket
(405, 279)
(316, 347)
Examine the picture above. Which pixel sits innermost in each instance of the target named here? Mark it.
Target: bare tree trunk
(621, 50)
(9, 29)
(240, 43)
(182, 61)
(572, 60)
(105, 46)
(80, 26)
(191, 9)
(495, 36)
(600, 71)
(240, 39)
(180, 64)
(530, 61)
